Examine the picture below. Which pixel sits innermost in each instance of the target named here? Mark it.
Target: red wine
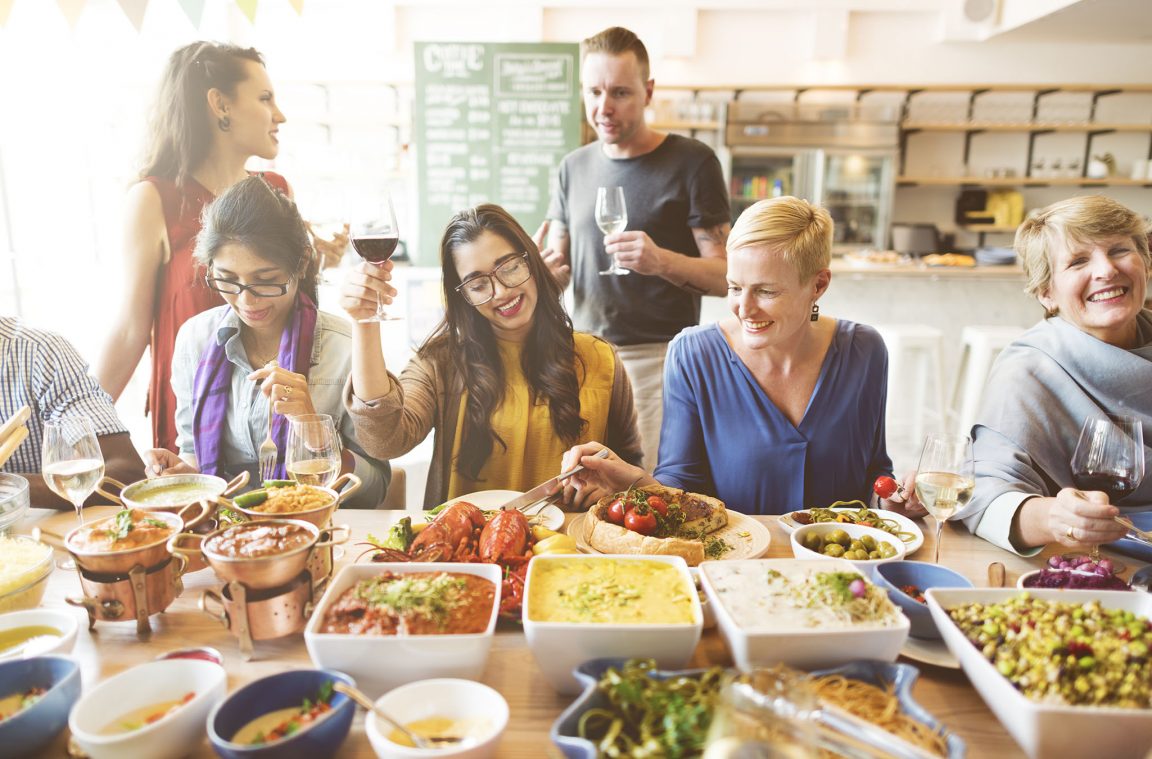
(375, 248)
(1117, 486)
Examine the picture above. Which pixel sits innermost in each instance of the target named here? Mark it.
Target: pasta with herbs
(880, 707)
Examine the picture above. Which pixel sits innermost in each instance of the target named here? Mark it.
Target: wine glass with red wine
(1109, 458)
(375, 240)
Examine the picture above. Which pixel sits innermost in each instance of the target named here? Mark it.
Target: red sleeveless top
(180, 294)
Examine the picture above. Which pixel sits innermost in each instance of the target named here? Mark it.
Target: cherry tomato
(641, 520)
(884, 487)
(658, 504)
(616, 512)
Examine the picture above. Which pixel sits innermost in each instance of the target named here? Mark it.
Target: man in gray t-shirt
(678, 222)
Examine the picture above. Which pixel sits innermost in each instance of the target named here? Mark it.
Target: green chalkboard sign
(492, 122)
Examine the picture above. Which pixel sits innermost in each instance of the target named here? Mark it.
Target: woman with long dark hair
(268, 350)
(503, 380)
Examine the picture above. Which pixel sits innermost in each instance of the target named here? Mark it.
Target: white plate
(929, 651)
(907, 525)
(550, 516)
(749, 539)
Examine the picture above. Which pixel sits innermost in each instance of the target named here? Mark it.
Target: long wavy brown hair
(180, 132)
(466, 338)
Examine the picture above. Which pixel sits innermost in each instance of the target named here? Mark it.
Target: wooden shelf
(1000, 126)
(688, 125)
(1029, 181)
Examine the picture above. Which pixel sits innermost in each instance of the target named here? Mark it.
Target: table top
(511, 669)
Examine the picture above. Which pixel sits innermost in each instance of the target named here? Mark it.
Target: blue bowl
(281, 691)
(30, 730)
(924, 576)
(900, 677)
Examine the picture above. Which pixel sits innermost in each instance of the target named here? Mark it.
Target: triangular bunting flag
(134, 10)
(194, 10)
(71, 9)
(298, 5)
(249, 8)
(5, 10)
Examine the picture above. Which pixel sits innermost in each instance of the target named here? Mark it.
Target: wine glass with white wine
(71, 461)
(945, 478)
(612, 218)
(313, 456)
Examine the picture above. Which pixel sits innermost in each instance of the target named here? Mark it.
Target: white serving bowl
(381, 662)
(793, 644)
(445, 697)
(559, 647)
(855, 531)
(176, 735)
(60, 620)
(1045, 729)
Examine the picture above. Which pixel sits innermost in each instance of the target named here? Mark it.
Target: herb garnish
(434, 598)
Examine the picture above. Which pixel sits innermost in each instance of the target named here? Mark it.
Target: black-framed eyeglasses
(480, 289)
(232, 287)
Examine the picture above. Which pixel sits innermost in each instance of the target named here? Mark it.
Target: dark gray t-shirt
(669, 191)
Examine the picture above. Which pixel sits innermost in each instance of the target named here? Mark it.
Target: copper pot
(136, 594)
(259, 572)
(262, 614)
(318, 516)
(140, 494)
(148, 555)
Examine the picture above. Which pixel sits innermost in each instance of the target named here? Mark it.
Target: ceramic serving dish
(29, 731)
(899, 574)
(461, 700)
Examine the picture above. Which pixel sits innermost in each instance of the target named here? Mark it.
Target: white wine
(318, 472)
(73, 480)
(612, 226)
(943, 493)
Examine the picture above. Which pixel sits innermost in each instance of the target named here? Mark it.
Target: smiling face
(615, 95)
(1099, 287)
(253, 116)
(510, 311)
(772, 306)
(239, 263)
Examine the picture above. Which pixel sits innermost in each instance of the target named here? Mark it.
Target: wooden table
(114, 646)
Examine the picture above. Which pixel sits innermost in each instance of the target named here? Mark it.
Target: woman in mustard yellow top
(504, 381)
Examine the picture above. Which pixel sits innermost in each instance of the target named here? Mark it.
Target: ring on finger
(287, 390)
(1071, 533)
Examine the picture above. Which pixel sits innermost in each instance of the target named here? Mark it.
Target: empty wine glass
(1109, 458)
(611, 217)
(945, 478)
(313, 456)
(375, 237)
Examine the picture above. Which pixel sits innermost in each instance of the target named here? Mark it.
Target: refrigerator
(842, 157)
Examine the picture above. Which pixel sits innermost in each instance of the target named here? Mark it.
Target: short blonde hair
(616, 40)
(1076, 220)
(800, 230)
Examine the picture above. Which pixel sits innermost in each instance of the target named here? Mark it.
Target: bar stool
(919, 343)
(980, 345)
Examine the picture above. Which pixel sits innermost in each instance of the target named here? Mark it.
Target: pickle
(279, 483)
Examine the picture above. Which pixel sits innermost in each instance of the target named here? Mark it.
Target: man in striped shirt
(42, 370)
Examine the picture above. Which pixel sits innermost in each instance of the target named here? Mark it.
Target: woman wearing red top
(216, 109)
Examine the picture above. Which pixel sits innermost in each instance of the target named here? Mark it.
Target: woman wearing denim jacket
(269, 346)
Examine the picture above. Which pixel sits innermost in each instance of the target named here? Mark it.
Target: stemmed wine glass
(611, 217)
(1109, 458)
(313, 456)
(945, 478)
(71, 463)
(375, 239)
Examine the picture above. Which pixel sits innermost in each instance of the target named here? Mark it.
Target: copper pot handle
(182, 565)
(175, 547)
(236, 483)
(343, 479)
(333, 536)
(211, 595)
(113, 497)
(205, 509)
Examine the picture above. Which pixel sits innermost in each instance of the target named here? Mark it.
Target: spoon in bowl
(420, 741)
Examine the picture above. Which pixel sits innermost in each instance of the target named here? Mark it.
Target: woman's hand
(366, 285)
(288, 390)
(600, 476)
(908, 506)
(1078, 518)
(158, 461)
(330, 252)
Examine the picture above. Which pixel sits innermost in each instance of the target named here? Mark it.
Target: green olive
(856, 545)
(868, 541)
(835, 550)
(887, 550)
(813, 541)
(839, 536)
(873, 555)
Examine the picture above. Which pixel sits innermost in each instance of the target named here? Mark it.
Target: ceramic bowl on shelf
(29, 731)
(896, 575)
(482, 710)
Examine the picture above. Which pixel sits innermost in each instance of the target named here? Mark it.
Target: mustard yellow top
(534, 450)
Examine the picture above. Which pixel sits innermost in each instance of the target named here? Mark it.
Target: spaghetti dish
(880, 707)
(840, 512)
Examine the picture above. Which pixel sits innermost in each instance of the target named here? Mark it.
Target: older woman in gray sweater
(1086, 260)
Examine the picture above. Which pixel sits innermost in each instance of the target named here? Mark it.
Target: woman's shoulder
(698, 339)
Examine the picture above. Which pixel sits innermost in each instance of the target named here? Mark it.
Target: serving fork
(268, 451)
(1143, 535)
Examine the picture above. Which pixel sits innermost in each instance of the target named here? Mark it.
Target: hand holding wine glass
(945, 478)
(375, 238)
(313, 456)
(71, 461)
(612, 218)
(1109, 458)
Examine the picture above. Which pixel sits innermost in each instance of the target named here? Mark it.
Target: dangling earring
(815, 312)
(224, 123)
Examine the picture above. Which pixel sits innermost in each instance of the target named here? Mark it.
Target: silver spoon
(431, 741)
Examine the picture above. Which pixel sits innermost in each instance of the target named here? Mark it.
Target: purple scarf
(212, 387)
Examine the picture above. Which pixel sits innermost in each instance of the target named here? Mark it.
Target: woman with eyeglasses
(215, 110)
(503, 380)
(267, 351)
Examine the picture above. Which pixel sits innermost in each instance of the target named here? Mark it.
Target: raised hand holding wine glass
(1109, 458)
(612, 218)
(945, 478)
(71, 461)
(375, 237)
(313, 456)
